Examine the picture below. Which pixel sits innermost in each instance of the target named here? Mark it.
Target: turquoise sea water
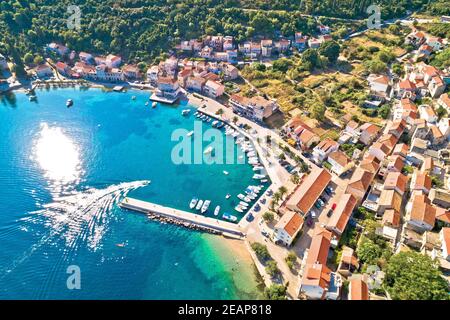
(62, 172)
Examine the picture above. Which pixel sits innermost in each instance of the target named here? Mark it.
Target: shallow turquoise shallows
(62, 173)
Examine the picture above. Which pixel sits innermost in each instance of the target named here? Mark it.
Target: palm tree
(295, 179)
(276, 197)
(219, 112)
(235, 119)
(282, 191)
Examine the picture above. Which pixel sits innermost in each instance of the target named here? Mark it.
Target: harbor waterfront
(64, 173)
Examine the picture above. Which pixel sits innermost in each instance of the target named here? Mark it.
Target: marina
(199, 220)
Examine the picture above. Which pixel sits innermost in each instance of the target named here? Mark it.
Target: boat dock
(189, 217)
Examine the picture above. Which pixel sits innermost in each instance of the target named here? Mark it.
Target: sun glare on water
(57, 155)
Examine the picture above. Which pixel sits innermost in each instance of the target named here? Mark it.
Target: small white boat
(69, 103)
(193, 203)
(154, 104)
(264, 180)
(205, 206)
(259, 176)
(243, 204)
(146, 103)
(228, 196)
(185, 112)
(199, 205)
(133, 97)
(190, 133)
(225, 172)
(228, 216)
(217, 210)
(256, 168)
(208, 150)
(238, 209)
(242, 197)
(214, 123)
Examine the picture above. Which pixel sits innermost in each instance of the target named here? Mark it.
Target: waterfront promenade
(189, 217)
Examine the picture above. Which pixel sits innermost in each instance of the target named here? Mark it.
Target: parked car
(321, 202)
(329, 213)
(250, 217)
(317, 205)
(313, 214)
(309, 222)
(329, 190)
(333, 206)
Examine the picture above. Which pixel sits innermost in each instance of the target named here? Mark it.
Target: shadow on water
(8, 99)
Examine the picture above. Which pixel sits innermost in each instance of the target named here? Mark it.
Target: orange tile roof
(327, 144)
(310, 190)
(407, 85)
(407, 104)
(445, 98)
(423, 180)
(437, 134)
(389, 140)
(397, 162)
(291, 222)
(443, 215)
(370, 163)
(370, 128)
(358, 290)
(396, 180)
(422, 210)
(390, 199)
(391, 218)
(340, 157)
(446, 236)
(342, 213)
(320, 245)
(361, 179)
(401, 148)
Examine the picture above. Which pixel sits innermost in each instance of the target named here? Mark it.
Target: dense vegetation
(414, 276)
(143, 29)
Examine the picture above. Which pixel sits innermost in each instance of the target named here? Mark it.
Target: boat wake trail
(79, 220)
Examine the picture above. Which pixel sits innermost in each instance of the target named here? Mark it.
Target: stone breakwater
(188, 225)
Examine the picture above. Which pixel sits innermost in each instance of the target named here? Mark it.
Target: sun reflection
(57, 155)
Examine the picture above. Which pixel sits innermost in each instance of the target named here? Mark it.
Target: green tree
(318, 111)
(310, 58)
(28, 58)
(290, 259)
(330, 50)
(261, 251)
(268, 216)
(414, 276)
(368, 251)
(275, 292)
(272, 268)
(281, 65)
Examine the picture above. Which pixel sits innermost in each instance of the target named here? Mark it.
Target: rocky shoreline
(164, 220)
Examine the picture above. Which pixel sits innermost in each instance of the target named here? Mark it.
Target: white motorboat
(242, 197)
(243, 204)
(214, 123)
(199, 205)
(205, 206)
(238, 209)
(217, 210)
(193, 203)
(259, 176)
(230, 217)
(228, 196)
(258, 168)
(190, 133)
(225, 172)
(264, 180)
(154, 104)
(185, 112)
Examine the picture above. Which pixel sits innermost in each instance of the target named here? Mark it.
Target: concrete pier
(193, 218)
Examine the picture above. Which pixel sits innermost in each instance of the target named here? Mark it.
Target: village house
(444, 128)
(405, 110)
(131, 72)
(318, 281)
(404, 87)
(396, 181)
(445, 241)
(228, 43)
(300, 41)
(358, 290)
(43, 71)
(314, 43)
(323, 149)
(421, 182)
(370, 163)
(401, 149)
(256, 108)
(104, 73)
(416, 38)
(379, 150)
(348, 263)
(63, 68)
(389, 200)
(436, 86)
(340, 163)
(341, 214)
(230, 72)
(420, 214)
(444, 101)
(379, 85)
(307, 193)
(359, 183)
(213, 89)
(436, 43)
(152, 75)
(287, 228)
(301, 133)
(195, 83)
(440, 197)
(369, 133)
(395, 163)
(168, 88)
(86, 57)
(266, 47)
(58, 48)
(390, 224)
(113, 61)
(282, 45)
